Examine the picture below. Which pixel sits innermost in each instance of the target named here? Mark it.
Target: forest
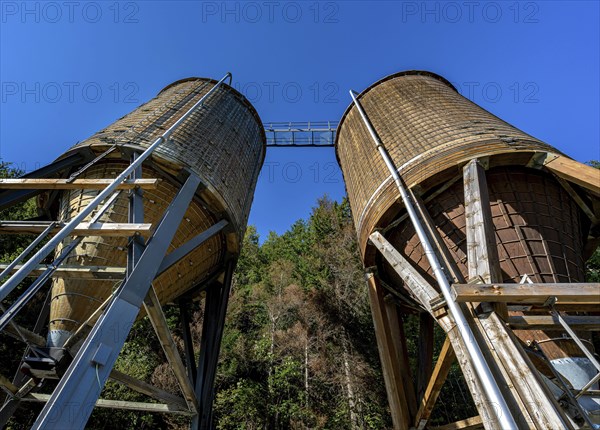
(298, 351)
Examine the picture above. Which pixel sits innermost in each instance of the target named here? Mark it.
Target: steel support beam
(188, 343)
(217, 297)
(77, 392)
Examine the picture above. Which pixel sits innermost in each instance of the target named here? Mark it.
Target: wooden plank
(581, 174)
(77, 272)
(435, 384)
(83, 229)
(6, 384)
(122, 404)
(577, 198)
(159, 322)
(147, 389)
(398, 336)
(482, 254)
(421, 290)
(549, 322)
(586, 293)
(77, 184)
(472, 423)
(391, 375)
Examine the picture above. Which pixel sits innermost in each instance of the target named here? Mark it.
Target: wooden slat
(83, 229)
(472, 423)
(573, 171)
(77, 272)
(62, 184)
(435, 384)
(122, 404)
(587, 293)
(549, 322)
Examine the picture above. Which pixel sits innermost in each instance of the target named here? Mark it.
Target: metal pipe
(489, 384)
(22, 273)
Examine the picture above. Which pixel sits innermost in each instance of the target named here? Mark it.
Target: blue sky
(69, 69)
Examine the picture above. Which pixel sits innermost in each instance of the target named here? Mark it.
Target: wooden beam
(586, 293)
(398, 336)
(419, 288)
(83, 229)
(473, 423)
(77, 184)
(147, 389)
(5, 383)
(482, 254)
(159, 322)
(30, 336)
(581, 174)
(77, 272)
(121, 404)
(435, 384)
(577, 198)
(391, 374)
(549, 322)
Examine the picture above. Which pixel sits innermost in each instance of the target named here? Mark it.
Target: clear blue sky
(68, 70)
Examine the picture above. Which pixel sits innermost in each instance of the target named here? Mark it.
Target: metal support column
(188, 343)
(75, 396)
(217, 297)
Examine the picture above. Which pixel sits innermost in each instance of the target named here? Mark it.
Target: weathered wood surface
(482, 253)
(62, 184)
(549, 322)
(435, 384)
(77, 272)
(83, 229)
(573, 171)
(586, 293)
(121, 404)
(389, 360)
(473, 423)
(159, 322)
(415, 283)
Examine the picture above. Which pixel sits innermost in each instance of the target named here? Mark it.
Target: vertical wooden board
(393, 380)
(482, 253)
(396, 328)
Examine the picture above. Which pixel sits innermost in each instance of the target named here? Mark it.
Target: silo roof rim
(233, 90)
(382, 80)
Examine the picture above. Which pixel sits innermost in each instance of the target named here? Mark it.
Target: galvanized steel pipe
(488, 382)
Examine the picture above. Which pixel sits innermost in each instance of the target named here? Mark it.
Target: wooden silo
(223, 143)
(500, 207)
